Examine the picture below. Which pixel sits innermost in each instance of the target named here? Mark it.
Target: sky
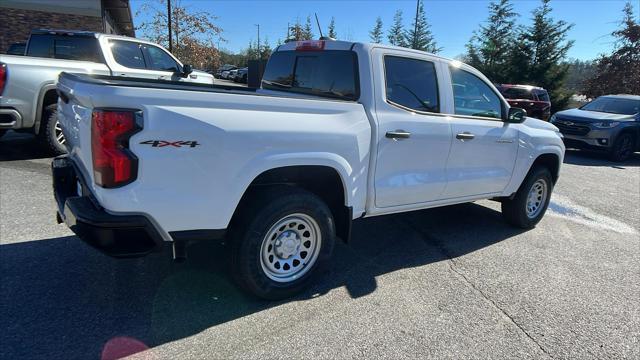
(452, 21)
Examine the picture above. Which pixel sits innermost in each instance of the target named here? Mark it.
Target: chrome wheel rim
(536, 198)
(58, 133)
(290, 248)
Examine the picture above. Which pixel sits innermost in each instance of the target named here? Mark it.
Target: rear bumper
(10, 118)
(115, 235)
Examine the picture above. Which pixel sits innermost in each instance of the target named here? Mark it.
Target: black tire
(622, 148)
(257, 220)
(48, 136)
(515, 210)
(2, 132)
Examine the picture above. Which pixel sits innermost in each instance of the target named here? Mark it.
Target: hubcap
(58, 133)
(536, 198)
(290, 248)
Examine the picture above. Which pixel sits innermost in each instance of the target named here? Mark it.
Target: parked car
(535, 100)
(609, 123)
(28, 83)
(338, 131)
(232, 74)
(241, 75)
(225, 67)
(17, 48)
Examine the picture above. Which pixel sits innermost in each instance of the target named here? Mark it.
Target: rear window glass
(329, 73)
(64, 47)
(80, 48)
(40, 46)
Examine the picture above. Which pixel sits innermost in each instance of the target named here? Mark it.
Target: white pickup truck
(338, 131)
(28, 83)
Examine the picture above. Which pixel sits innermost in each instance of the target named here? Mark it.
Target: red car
(535, 100)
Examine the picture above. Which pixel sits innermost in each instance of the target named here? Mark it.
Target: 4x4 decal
(163, 143)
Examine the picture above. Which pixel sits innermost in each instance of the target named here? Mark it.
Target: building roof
(120, 12)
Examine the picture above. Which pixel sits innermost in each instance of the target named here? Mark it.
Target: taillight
(114, 164)
(3, 77)
(310, 45)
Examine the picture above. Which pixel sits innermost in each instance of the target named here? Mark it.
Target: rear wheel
(280, 241)
(50, 135)
(530, 203)
(622, 148)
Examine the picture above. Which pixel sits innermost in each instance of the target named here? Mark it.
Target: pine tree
(396, 32)
(488, 49)
(296, 31)
(619, 73)
(307, 32)
(332, 29)
(539, 53)
(376, 33)
(419, 37)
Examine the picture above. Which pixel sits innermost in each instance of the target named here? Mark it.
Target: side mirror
(516, 115)
(186, 70)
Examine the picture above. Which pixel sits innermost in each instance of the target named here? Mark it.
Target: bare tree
(193, 32)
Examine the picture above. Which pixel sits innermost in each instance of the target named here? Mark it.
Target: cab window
(158, 59)
(411, 83)
(473, 97)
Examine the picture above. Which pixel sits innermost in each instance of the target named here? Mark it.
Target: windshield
(613, 106)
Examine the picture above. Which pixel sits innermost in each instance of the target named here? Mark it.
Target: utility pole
(259, 52)
(415, 29)
(169, 25)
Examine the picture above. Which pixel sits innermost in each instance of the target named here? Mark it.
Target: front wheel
(280, 241)
(530, 203)
(622, 148)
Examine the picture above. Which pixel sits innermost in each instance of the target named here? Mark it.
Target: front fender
(530, 148)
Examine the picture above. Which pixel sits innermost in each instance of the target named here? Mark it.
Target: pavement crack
(452, 266)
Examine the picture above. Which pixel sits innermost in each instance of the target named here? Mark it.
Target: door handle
(465, 136)
(398, 134)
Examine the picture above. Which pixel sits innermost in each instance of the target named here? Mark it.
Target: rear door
(414, 138)
(484, 147)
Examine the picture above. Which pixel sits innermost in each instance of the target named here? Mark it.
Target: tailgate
(74, 115)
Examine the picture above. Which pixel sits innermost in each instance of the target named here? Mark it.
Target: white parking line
(563, 207)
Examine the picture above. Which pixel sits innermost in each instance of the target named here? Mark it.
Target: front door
(484, 147)
(413, 137)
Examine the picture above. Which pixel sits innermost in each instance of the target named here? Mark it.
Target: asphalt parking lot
(453, 282)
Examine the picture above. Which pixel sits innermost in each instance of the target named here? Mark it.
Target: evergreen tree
(489, 47)
(296, 31)
(619, 73)
(332, 29)
(539, 53)
(396, 32)
(419, 37)
(376, 33)
(307, 32)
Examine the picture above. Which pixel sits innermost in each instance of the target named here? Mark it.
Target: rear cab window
(326, 73)
(67, 47)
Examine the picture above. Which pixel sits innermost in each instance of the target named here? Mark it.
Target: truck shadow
(62, 299)
(17, 146)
